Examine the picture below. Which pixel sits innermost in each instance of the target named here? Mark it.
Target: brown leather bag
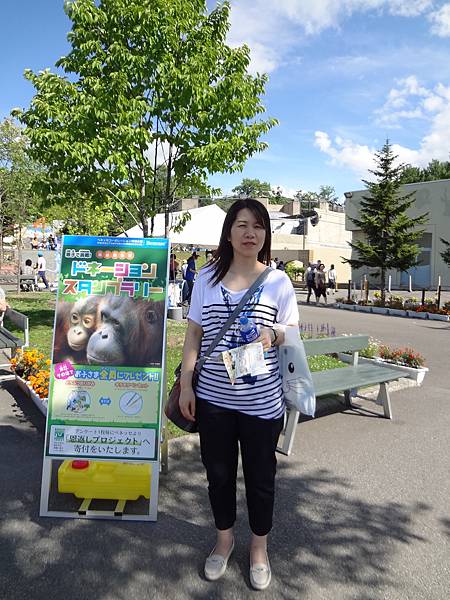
(172, 408)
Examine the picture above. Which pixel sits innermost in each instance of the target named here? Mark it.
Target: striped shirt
(273, 302)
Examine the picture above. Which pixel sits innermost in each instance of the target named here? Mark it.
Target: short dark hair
(224, 253)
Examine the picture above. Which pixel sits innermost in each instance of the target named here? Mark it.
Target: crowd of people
(320, 281)
(50, 243)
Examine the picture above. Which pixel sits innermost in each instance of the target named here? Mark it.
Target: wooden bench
(346, 379)
(9, 341)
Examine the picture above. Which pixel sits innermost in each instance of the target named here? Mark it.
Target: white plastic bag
(298, 386)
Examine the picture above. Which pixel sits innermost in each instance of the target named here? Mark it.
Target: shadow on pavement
(323, 533)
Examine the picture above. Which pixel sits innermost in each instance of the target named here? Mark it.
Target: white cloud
(409, 8)
(440, 21)
(271, 28)
(345, 153)
(433, 104)
(410, 100)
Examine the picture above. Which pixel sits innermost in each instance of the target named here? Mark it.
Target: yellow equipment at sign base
(104, 480)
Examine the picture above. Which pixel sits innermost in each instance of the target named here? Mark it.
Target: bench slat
(8, 340)
(339, 380)
(333, 345)
(18, 319)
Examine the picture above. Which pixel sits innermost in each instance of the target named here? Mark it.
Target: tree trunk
(143, 214)
(19, 256)
(167, 193)
(383, 285)
(155, 170)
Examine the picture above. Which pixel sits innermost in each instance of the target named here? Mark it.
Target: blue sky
(344, 75)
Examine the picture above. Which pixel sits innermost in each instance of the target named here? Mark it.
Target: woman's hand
(266, 337)
(187, 403)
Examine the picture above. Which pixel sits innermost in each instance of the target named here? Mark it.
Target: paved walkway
(362, 510)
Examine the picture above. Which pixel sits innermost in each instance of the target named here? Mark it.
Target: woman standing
(250, 412)
(321, 283)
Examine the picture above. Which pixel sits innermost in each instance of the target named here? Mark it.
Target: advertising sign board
(106, 382)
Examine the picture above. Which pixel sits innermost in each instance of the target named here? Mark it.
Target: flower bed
(26, 387)
(32, 375)
(400, 359)
(398, 307)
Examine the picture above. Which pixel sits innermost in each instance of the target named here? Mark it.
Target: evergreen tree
(389, 233)
(446, 254)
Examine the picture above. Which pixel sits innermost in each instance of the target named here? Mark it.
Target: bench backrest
(332, 345)
(20, 321)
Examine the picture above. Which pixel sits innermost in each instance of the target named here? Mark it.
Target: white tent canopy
(202, 230)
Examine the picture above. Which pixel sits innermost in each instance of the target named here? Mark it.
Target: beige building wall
(327, 241)
(432, 197)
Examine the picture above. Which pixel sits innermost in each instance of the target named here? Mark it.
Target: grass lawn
(40, 309)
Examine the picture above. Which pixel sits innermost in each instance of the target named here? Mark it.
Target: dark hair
(332, 267)
(28, 262)
(224, 253)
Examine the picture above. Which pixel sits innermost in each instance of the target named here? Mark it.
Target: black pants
(44, 278)
(320, 290)
(190, 283)
(311, 289)
(221, 431)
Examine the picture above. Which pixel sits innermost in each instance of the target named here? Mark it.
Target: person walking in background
(183, 268)
(281, 266)
(173, 267)
(34, 243)
(320, 283)
(249, 413)
(273, 263)
(41, 268)
(51, 243)
(190, 273)
(332, 280)
(310, 281)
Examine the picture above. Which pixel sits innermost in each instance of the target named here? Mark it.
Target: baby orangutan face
(83, 318)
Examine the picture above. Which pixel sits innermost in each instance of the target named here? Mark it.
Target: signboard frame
(95, 406)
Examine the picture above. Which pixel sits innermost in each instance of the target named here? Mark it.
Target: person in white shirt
(248, 413)
(41, 268)
(331, 279)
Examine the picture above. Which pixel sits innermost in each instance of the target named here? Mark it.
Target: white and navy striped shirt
(273, 302)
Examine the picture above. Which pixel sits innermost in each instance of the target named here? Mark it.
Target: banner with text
(106, 372)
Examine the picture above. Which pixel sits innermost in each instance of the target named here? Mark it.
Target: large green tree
(389, 233)
(436, 169)
(147, 86)
(253, 188)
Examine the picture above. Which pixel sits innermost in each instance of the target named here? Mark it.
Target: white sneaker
(216, 565)
(260, 575)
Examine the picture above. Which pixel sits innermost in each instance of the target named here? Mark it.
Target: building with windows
(432, 197)
(295, 238)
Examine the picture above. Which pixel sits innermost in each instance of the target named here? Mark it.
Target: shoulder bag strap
(258, 281)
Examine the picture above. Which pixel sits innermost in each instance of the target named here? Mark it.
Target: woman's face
(247, 235)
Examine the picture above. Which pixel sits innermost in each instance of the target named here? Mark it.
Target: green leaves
(141, 76)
